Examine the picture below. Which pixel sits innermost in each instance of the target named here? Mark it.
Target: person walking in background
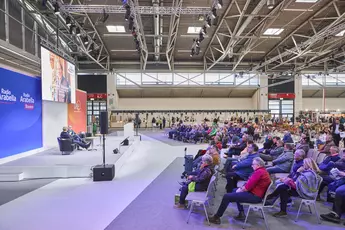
(336, 128)
(153, 122)
(164, 121)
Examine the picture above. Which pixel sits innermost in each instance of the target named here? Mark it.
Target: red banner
(281, 95)
(77, 112)
(97, 96)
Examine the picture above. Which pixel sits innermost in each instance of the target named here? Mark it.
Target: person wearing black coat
(336, 128)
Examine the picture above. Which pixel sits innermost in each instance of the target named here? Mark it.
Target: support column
(260, 97)
(113, 97)
(298, 96)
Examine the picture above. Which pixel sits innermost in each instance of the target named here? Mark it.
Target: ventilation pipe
(156, 22)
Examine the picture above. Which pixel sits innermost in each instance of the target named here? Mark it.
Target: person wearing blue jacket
(243, 169)
(326, 165)
(284, 162)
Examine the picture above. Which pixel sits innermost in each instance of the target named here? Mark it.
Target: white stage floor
(52, 164)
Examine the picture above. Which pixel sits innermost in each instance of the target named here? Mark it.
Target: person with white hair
(252, 192)
(202, 179)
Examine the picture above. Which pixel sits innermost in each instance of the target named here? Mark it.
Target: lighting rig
(75, 28)
(210, 19)
(130, 18)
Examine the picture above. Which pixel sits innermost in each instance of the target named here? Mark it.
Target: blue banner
(20, 113)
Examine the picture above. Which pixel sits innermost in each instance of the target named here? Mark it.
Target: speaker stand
(104, 172)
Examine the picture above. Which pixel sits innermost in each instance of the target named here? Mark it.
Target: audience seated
(241, 170)
(201, 180)
(330, 162)
(284, 161)
(304, 184)
(267, 144)
(65, 135)
(338, 203)
(273, 153)
(236, 149)
(252, 192)
(287, 137)
(327, 146)
(303, 143)
(244, 160)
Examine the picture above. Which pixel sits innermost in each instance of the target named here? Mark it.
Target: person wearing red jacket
(252, 192)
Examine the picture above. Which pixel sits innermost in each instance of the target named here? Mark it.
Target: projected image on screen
(58, 78)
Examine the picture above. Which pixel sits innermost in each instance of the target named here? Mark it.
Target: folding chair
(310, 202)
(201, 198)
(258, 207)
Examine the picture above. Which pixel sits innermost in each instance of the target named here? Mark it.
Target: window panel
(211, 78)
(181, 79)
(165, 77)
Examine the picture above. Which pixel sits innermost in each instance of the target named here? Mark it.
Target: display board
(58, 78)
(77, 112)
(20, 113)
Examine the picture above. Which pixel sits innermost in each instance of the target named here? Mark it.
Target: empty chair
(258, 207)
(201, 198)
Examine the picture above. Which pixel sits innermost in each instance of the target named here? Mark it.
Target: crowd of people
(234, 152)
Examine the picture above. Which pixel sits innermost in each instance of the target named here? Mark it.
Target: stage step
(11, 177)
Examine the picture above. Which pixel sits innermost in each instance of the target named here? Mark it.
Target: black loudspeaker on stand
(104, 172)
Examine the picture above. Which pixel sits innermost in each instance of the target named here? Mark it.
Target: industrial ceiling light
(218, 4)
(77, 31)
(131, 23)
(203, 30)
(128, 12)
(86, 40)
(197, 50)
(68, 21)
(72, 29)
(208, 22)
(214, 13)
(270, 4)
(56, 8)
(201, 36)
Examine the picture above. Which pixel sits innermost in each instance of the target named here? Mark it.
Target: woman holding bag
(201, 180)
(304, 184)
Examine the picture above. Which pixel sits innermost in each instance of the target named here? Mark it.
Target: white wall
(316, 103)
(184, 103)
(54, 117)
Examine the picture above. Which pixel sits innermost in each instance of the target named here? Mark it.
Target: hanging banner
(77, 112)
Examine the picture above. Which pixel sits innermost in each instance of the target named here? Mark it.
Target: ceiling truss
(173, 31)
(305, 44)
(119, 9)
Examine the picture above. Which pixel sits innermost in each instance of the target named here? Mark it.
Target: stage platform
(51, 164)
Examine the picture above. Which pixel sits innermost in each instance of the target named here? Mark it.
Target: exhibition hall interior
(172, 114)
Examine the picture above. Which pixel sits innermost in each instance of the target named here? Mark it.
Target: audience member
(284, 161)
(336, 128)
(303, 143)
(252, 192)
(338, 203)
(304, 184)
(273, 153)
(241, 170)
(329, 143)
(201, 180)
